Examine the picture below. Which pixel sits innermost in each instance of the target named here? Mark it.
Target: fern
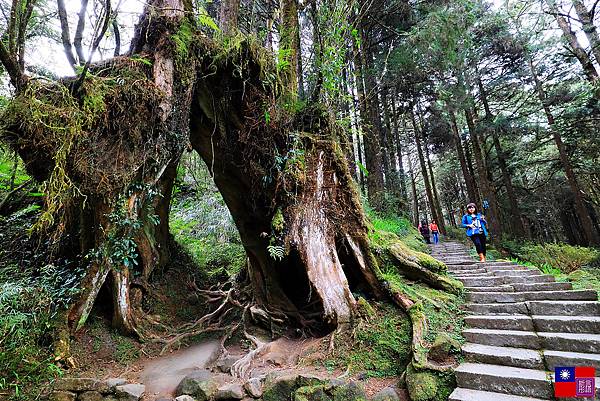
(276, 252)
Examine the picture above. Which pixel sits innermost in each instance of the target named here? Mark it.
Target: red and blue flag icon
(576, 381)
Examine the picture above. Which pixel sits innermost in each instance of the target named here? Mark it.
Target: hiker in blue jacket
(476, 226)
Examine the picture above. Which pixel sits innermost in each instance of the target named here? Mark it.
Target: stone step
(503, 297)
(466, 394)
(506, 322)
(482, 281)
(552, 286)
(562, 358)
(496, 268)
(492, 309)
(458, 262)
(513, 272)
(504, 379)
(567, 324)
(498, 263)
(503, 338)
(543, 278)
(472, 275)
(460, 272)
(569, 308)
(572, 342)
(506, 356)
(500, 288)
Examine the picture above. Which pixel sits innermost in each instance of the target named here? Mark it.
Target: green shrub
(566, 258)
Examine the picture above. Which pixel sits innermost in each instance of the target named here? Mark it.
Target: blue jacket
(468, 219)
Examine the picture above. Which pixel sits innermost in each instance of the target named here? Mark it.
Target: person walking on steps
(435, 232)
(424, 230)
(476, 227)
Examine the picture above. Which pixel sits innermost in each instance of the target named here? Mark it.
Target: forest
(225, 199)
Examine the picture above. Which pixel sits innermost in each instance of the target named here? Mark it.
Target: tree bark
(571, 38)
(229, 12)
(582, 212)
(289, 52)
(588, 28)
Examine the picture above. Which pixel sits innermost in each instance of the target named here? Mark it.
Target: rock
(442, 347)
(313, 393)
(225, 363)
(200, 384)
(421, 386)
(130, 392)
(114, 382)
(185, 398)
(254, 387)
(62, 396)
(80, 384)
(231, 391)
(386, 394)
(279, 386)
(171, 399)
(350, 391)
(90, 396)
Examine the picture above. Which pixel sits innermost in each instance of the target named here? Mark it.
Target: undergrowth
(202, 224)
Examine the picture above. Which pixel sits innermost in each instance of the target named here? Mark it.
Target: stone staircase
(521, 324)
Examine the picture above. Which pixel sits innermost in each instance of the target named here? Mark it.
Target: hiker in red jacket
(433, 227)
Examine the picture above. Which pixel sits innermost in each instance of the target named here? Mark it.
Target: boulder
(62, 396)
(386, 394)
(90, 396)
(201, 384)
(130, 392)
(443, 346)
(225, 363)
(230, 391)
(81, 384)
(350, 391)
(254, 387)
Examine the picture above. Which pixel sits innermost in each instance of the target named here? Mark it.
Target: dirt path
(162, 374)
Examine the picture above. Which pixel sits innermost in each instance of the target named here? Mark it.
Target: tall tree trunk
(588, 27)
(571, 38)
(398, 148)
(467, 175)
(413, 187)
(517, 221)
(582, 211)
(428, 190)
(228, 16)
(487, 188)
(289, 52)
(371, 124)
(388, 149)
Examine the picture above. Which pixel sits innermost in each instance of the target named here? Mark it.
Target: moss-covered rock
(312, 393)
(443, 346)
(421, 386)
(351, 391)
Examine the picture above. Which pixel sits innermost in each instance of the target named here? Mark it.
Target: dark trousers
(479, 241)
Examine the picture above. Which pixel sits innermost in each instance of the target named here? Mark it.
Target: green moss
(422, 386)
(380, 346)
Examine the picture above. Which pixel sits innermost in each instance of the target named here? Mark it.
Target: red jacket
(433, 227)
